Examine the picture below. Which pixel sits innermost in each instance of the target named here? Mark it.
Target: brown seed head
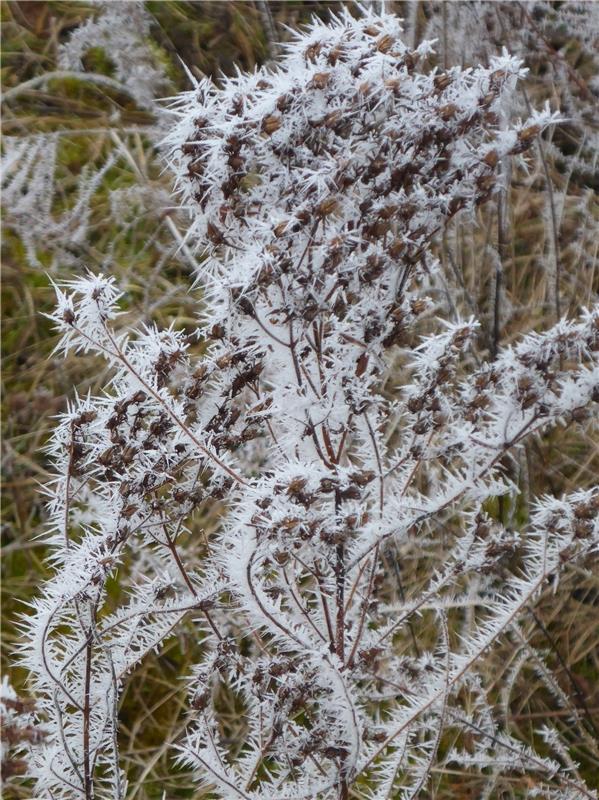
(271, 123)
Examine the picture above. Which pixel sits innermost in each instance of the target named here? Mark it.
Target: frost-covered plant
(316, 189)
(29, 193)
(53, 211)
(559, 45)
(121, 30)
(18, 730)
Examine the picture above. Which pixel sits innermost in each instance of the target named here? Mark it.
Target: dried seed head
(442, 81)
(327, 207)
(385, 43)
(448, 111)
(271, 124)
(321, 80)
(491, 158)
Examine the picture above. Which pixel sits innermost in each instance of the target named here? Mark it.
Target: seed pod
(327, 207)
(303, 216)
(271, 124)
(491, 118)
(442, 81)
(526, 134)
(200, 701)
(296, 485)
(415, 404)
(332, 118)
(85, 417)
(224, 361)
(284, 102)
(281, 228)
(396, 248)
(487, 99)
(418, 305)
(361, 365)
(335, 54)
(385, 43)
(217, 331)
(363, 478)
(179, 495)
(320, 80)
(328, 485)
(245, 306)
(448, 111)
(312, 52)
(235, 161)
(491, 158)
(585, 510)
(107, 455)
(288, 523)
(129, 454)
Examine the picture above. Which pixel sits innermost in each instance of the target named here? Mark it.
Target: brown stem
(87, 778)
(502, 248)
(340, 576)
(343, 789)
(378, 463)
(67, 489)
(301, 608)
(364, 610)
(171, 546)
(554, 223)
(340, 591)
(568, 671)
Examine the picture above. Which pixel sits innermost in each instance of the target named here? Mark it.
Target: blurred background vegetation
(84, 188)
